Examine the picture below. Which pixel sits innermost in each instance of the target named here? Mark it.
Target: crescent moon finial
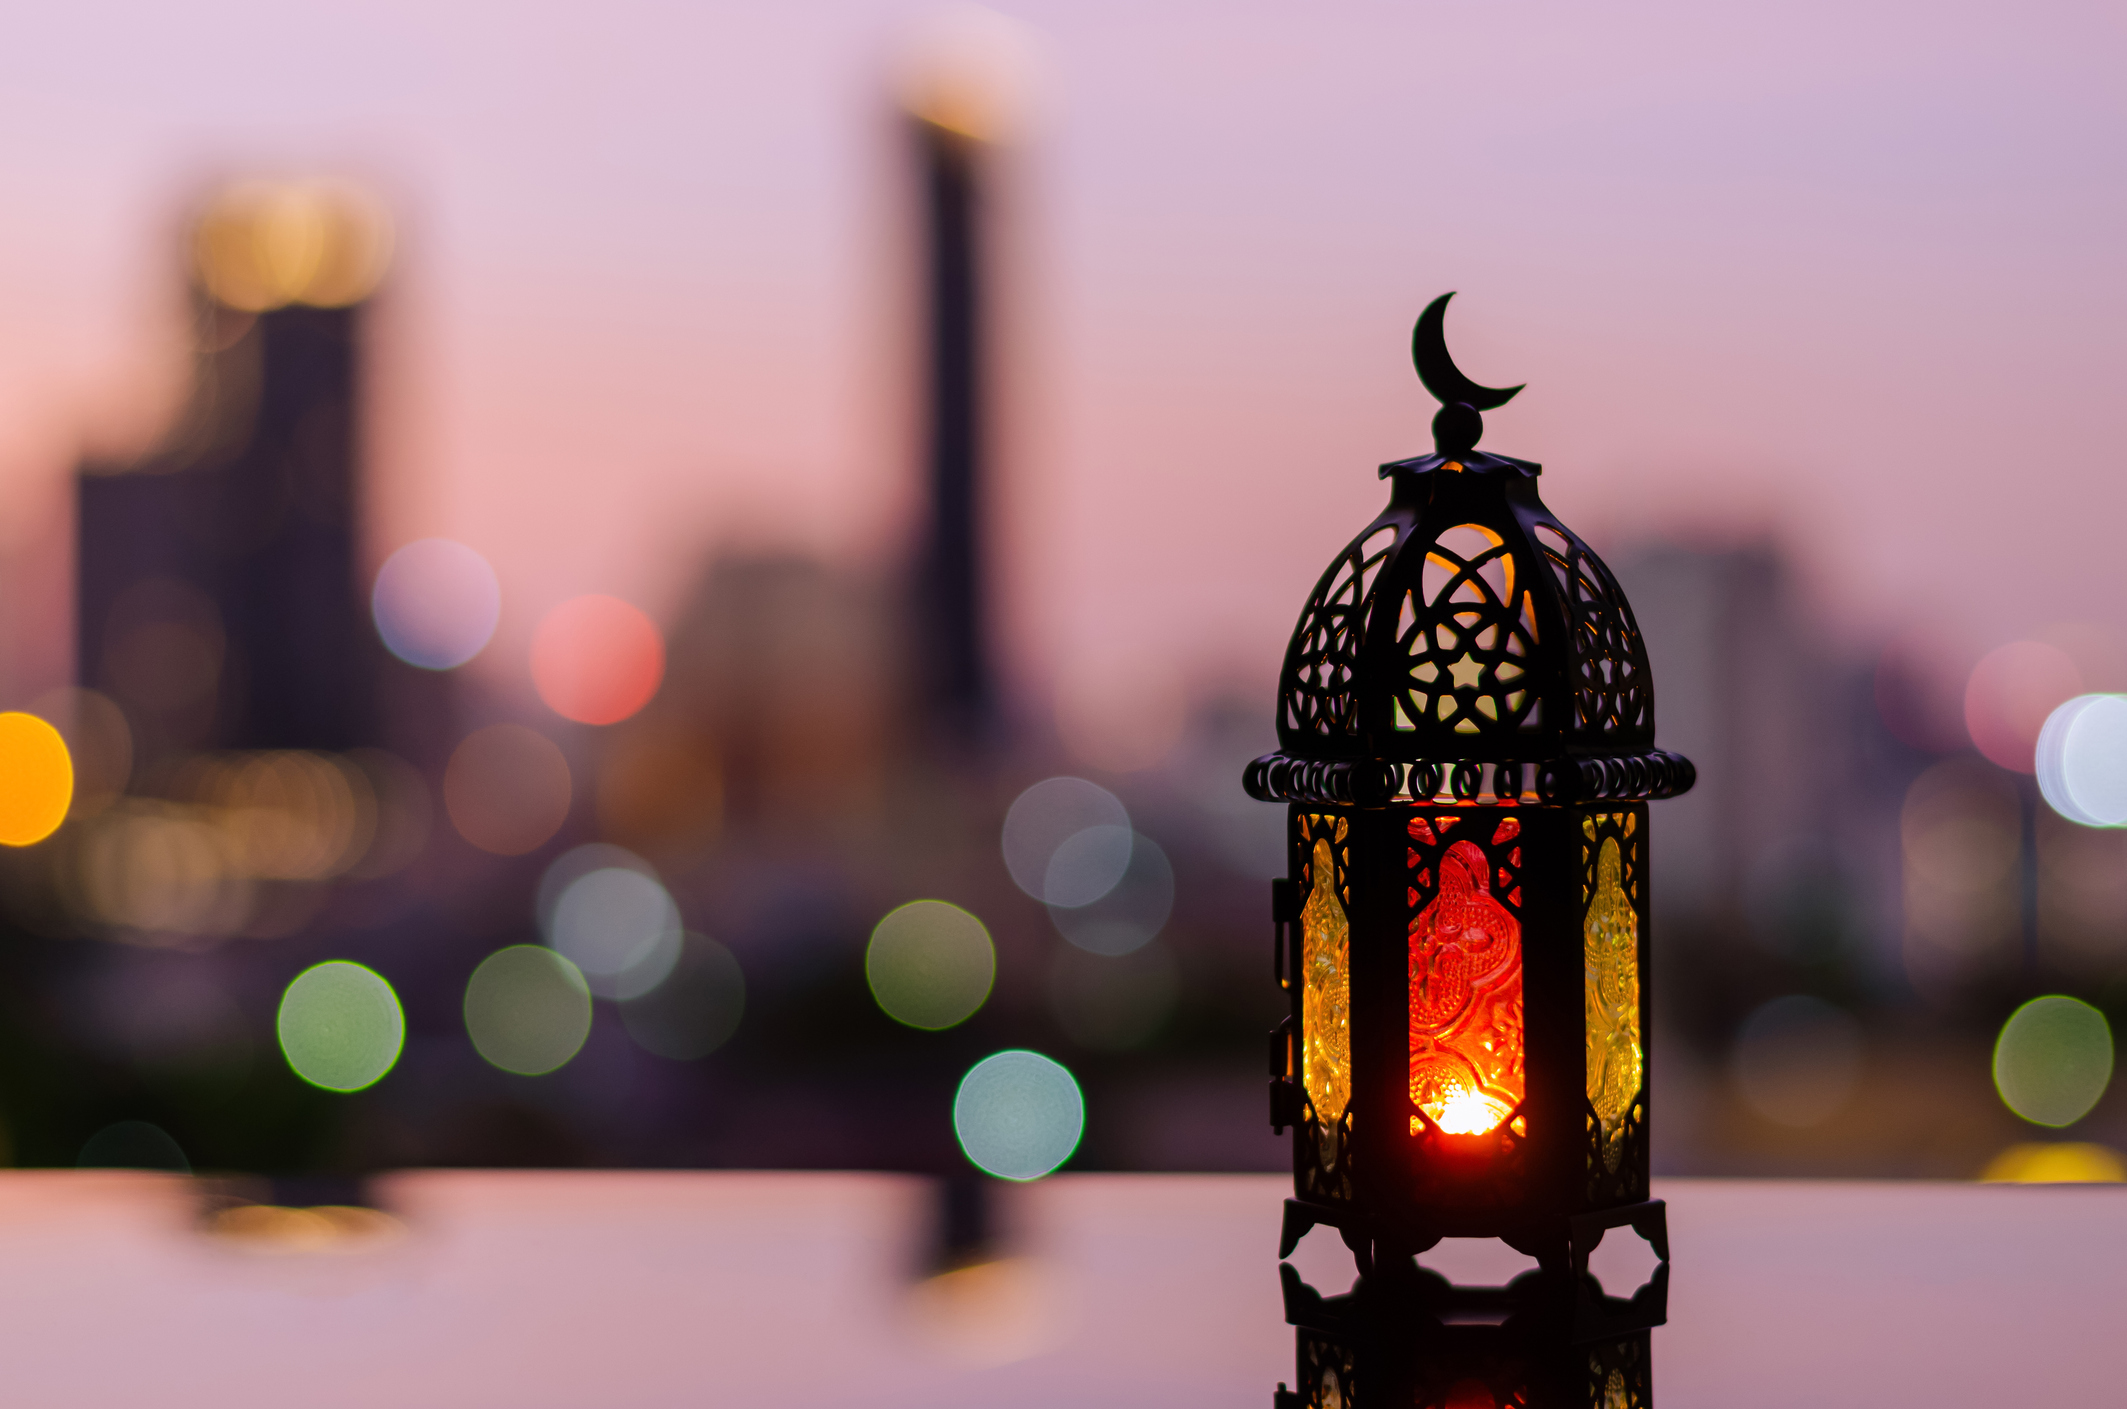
(1429, 353)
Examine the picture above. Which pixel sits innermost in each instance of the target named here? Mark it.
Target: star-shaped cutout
(1467, 673)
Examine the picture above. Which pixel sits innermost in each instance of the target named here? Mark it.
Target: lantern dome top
(1466, 641)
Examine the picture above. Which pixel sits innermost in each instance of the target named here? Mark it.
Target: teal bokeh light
(1018, 1114)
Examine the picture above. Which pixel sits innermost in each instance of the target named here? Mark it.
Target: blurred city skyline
(1838, 277)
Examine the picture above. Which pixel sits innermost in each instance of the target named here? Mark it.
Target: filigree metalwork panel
(1319, 687)
(1613, 694)
(1468, 634)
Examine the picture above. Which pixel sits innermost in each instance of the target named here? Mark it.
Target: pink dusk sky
(1847, 275)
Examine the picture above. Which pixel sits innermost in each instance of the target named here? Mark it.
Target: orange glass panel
(1467, 1070)
(1326, 998)
(1615, 1057)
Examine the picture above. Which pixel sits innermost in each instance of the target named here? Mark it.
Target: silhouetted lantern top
(1466, 730)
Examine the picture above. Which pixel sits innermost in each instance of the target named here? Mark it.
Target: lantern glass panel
(1468, 1044)
(1613, 869)
(1615, 1054)
(1325, 1000)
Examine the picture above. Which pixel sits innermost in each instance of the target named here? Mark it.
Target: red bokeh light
(597, 660)
(2009, 695)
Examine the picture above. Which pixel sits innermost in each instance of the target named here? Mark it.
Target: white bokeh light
(1132, 910)
(2082, 760)
(436, 603)
(620, 927)
(1067, 841)
(574, 864)
(1087, 866)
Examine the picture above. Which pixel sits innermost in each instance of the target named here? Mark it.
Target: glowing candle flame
(1470, 1114)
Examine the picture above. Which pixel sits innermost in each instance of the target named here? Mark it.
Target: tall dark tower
(950, 578)
(219, 597)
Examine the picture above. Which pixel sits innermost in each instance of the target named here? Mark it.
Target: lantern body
(1466, 729)
(1467, 1050)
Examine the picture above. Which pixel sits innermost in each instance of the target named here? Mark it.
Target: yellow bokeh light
(262, 245)
(2053, 1060)
(2058, 1162)
(272, 1230)
(970, 71)
(159, 868)
(987, 1313)
(930, 964)
(527, 1009)
(36, 779)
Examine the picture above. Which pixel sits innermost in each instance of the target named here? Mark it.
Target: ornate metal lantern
(1466, 730)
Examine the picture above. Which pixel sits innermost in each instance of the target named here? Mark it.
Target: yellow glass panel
(1326, 997)
(1612, 953)
(1467, 1069)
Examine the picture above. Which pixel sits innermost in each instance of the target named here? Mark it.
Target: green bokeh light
(527, 1009)
(2053, 1060)
(930, 964)
(340, 1026)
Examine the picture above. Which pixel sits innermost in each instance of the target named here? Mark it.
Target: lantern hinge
(1284, 1105)
(1284, 910)
(1284, 1092)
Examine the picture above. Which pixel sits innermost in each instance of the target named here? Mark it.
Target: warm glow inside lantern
(1466, 730)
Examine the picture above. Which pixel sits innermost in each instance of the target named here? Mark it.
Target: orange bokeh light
(597, 660)
(36, 779)
(507, 789)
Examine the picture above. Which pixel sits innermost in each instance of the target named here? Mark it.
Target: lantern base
(1649, 1219)
(1560, 1251)
(1573, 1310)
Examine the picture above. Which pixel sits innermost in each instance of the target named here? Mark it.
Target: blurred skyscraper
(1753, 686)
(219, 595)
(950, 578)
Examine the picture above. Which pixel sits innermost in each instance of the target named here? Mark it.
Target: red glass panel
(1467, 1069)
